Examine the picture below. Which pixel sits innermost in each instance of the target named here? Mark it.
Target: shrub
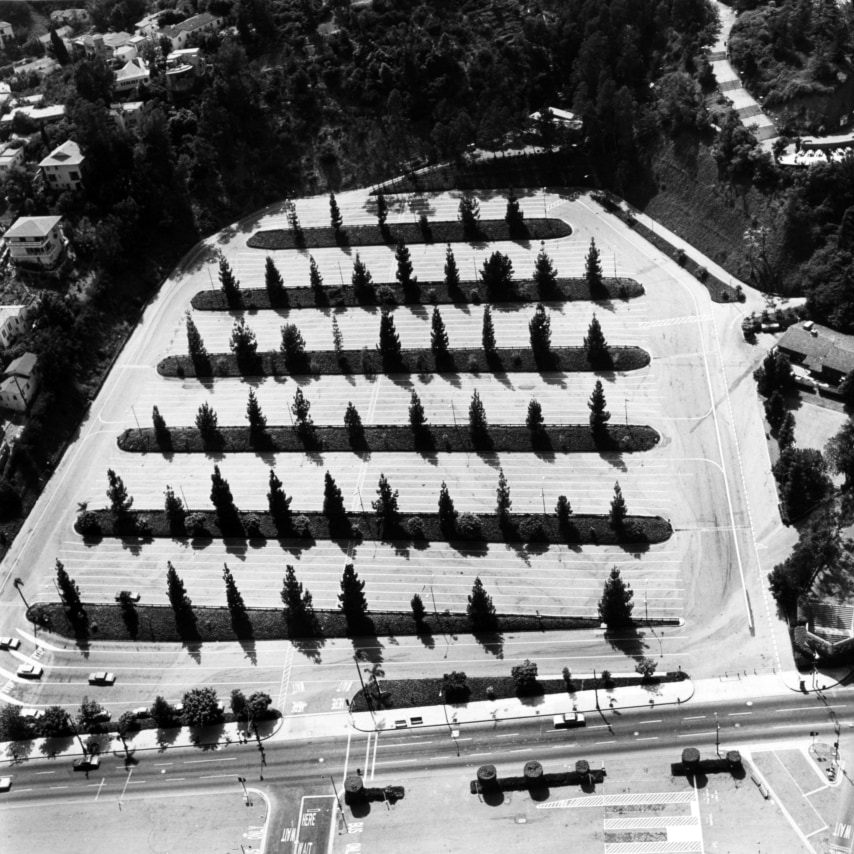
(473, 364)
(455, 687)
(594, 537)
(195, 525)
(474, 296)
(432, 296)
(531, 529)
(253, 527)
(143, 526)
(681, 257)
(415, 528)
(386, 296)
(302, 526)
(88, 525)
(469, 527)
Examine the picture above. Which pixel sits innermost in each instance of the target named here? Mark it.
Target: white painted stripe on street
(215, 776)
(199, 761)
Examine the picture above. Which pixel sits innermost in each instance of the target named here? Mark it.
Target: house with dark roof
(828, 355)
(198, 24)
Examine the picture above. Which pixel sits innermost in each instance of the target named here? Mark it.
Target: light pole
(596, 689)
(338, 801)
(717, 735)
(19, 583)
(543, 494)
(242, 781)
(364, 691)
(454, 414)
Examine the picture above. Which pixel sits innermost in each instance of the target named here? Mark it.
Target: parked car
(130, 595)
(32, 714)
(102, 716)
(102, 677)
(141, 712)
(89, 763)
(5, 784)
(9, 643)
(30, 671)
(570, 720)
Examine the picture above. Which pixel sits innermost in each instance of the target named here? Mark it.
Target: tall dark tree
(351, 599)
(256, 417)
(419, 612)
(545, 274)
(234, 600)
(593, 268)
(221, 497)
(775, 409)
(229, 284)
(273, 282)
(68, 590)
(178, 598)
(299, 606)
(335, 218)
(161, 431)
(173, 506)
(488, 332)
(355, 428)
(618, 508)
(314, 278)
(404, 268)
(60, 51)
(503, 503)
(478, 425)
(468, 213)
(389, 343)
(480, 610)
(595, 345)
(362, 281)
(382, 211)
(243, 343)
(447, 512)
(452, 273)
(278, 503)
(207, 422)
(293, 349)
(195, 345)
(337, 339)
(774, 374)
(438, 336)
(513, 216)
(120, 501)
(839, 453)
(385, 504)
(497, 275)
(616, 605)
(534, 419)
(333, 502)
(786, 433)
(417, 419)
(540, 331)
(599, 415)
(303, 423)
(563, 511)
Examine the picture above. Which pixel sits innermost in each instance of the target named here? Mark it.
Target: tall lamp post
(717, 735)
(365, 691)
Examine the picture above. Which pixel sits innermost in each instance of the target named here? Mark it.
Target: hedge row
(416, 361)
(411, 693)
(410, 527)
(444, 438)
(156, 623)
(423, 293)
(442, 231)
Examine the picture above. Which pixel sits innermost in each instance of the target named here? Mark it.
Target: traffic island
(533, 777)
(392, 438)
(423, 361)
(441, 231)
(524, 291)
(199, 526)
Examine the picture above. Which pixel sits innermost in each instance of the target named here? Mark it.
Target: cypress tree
(195, 345)
(68, 590)
(419, 612)
(299, 607)
(480, 610)
(452, 273)
(278, 503)
(488, 334)
(502, 496)
(618, 508)
(355, 429)
(599, 415)
(438, 336)
(315, 279)
(385, 504)
(161, 431)
(786, 433)
(478, 425)
(60, 51)
(274, 283)
(497, 275)
(177, 593)
(337, 338)
(447, 512)
(534, 419)
(593, 268)
(243, 343)
(382, 211)
(120, 501)
(404, 267)
(351, 599)
(228, 282)
(221, 496)
(293, 349)
(468, 214)
(417, 419)
(335, 219)
(363, 283)
(616, 606)
(513, 216)
(333, 502)
(257, 419)
(207, 421)
(595, 344)
(389, 344)
(545, 274)
(540, 331)
(302, 419)
(173, 506)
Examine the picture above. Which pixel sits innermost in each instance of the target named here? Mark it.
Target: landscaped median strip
(393, 438)
(414, 361)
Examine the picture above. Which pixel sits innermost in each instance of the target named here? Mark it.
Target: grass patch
(415, 361)
(422, 293)
(306, 527)
(394, 438)
(443, 231)
(410, 693)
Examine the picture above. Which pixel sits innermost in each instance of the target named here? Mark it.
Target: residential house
(5, 94)
(126, 116)
(149, 26)
(20, 383)
(36, 241)
(827, 355)
(63, 167)
(7, 34)
(183, 68)
(10, 156)
(40, 115)
(202, 24)
(75, 17)
(14, 320)
(130, 75)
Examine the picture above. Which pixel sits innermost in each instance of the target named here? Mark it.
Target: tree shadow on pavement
(367, 646)
(166, 736)
(247, 644)
(425, 635)
(309, 647)
(493, 799)
(540, 793)
(492, 642)
(629, 641)
(56, 744)
(207, 738)
(19, 751)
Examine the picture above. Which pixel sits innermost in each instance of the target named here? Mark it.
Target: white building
(14, 319)
(131, 74)
(20, 384)
(36, 241)
(6, 32)
(148, 26)
(126, 115)
(198, 24)
(62, 168)
(10, 157)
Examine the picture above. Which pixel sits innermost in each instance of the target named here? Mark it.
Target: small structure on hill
(20, 383)
(827, 355)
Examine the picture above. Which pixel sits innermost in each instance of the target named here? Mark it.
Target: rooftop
(67, 154)
(821, 347)
(33, 226)
(191, 24)
(23, 366)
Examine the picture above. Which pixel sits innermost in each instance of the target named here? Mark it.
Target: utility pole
(717, 735)
(596, 689)
(364, 690)
(543, 494)
(135, 418)
(338, 801)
